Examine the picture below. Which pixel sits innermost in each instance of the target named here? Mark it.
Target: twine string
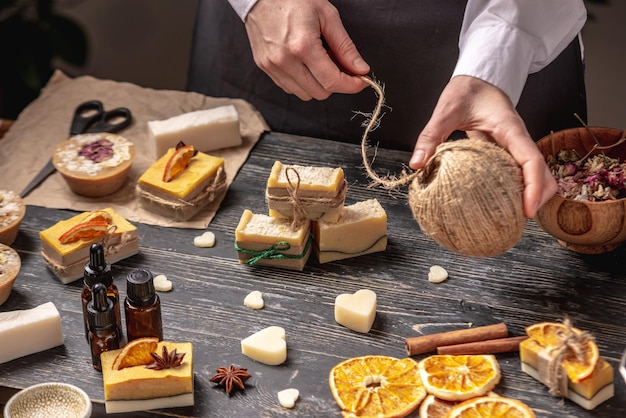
(388, 182)
(273, 252)
(299, 212)
(570, 342)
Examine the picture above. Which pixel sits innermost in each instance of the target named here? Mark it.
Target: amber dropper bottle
(97, 270)
(102, 333)
(142, 306)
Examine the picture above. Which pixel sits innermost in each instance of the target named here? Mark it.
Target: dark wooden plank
(535, 281)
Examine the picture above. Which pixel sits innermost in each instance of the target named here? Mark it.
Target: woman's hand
(470, 104)
(286, 40)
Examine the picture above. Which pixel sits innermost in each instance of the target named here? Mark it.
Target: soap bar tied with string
(304, 193)
(269, 241)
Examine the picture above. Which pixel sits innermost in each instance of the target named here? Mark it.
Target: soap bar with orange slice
(182, 182)
(65, 245)
(133, 383)
(589, 379)
(377, 386)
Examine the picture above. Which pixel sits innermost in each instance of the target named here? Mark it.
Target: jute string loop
(299, 212)
(388, 182)
(571, 342)
(274, 252)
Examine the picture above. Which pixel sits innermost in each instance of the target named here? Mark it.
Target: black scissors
(89, 117)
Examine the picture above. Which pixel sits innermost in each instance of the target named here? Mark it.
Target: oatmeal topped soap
(96, 164)
(12, 210)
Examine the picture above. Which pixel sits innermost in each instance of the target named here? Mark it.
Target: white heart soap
(356, 311)
(162, 283)
(287, 398)
(267, 346)
(205, 240)
(254, 300)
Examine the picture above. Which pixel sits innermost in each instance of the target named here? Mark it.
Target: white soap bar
(356, 311)
(29, 331)
(254, 300)
(206, 130)
(267, 346)
(437, 274)
(287, 398)
(120, 406)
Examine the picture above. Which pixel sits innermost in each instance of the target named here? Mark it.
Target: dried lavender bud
(97, 151)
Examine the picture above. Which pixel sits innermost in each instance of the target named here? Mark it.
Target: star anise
(166, 360)
(231, 377)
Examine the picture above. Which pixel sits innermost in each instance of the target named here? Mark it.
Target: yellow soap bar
(267, 346)
(317, 179)
(139, 382)
(361, 229)
(52, 234)
(258, 233)
(589, 393)
(201, 167)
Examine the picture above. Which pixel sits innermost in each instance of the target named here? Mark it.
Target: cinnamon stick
(428, 343)
(498, 345)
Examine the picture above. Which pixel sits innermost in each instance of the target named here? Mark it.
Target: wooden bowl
(582, 226)
(12, 210)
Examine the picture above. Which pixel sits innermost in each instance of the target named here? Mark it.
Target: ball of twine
(467, 197)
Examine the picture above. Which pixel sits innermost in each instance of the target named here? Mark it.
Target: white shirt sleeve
(242, 7)
(502, 41)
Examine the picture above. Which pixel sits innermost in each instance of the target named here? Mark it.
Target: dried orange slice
(551, 334)
(98, 215)
(376, 386)
(136, 353)
(458, 378)
(178, 162)
(433, 407)
(84, 230)
(491, 407)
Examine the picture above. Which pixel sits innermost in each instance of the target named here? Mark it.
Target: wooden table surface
(537, 280)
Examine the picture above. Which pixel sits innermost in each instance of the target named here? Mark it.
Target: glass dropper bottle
(102, 331)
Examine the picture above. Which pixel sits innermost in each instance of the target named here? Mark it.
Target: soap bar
(67, 261)
(356, 311)
(361, 229)
(29, 331)
(320, 191)
(206, 130)
(272, 241)
(267, 346)
(589, 393)
(138, 388)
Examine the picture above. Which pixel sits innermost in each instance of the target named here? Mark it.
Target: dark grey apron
(411, 46)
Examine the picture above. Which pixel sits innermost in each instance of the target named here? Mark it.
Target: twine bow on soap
(571, 341)
(273, 253)
(299, 212)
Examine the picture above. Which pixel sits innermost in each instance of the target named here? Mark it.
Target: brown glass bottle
(97, 270)
(142, 306)
(102, 331)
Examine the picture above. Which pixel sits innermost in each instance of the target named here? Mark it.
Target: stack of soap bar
(185, 195)
(589, 393)
(267, 346)
(361, 229)
(206, 130)
(320, 191)
(67, 261)
(138, 388)
(271, 241)
(29, 331)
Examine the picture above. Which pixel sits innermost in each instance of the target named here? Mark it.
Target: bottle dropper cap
(139, 286)
(97, 270)
(100, 309)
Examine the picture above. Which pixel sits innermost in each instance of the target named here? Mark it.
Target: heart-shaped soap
(205, 240)
(287, 398)
(254, 300)
(162, 283)
(267, 346)
(356, 311)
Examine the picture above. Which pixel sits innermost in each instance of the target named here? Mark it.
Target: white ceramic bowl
(52, 399)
